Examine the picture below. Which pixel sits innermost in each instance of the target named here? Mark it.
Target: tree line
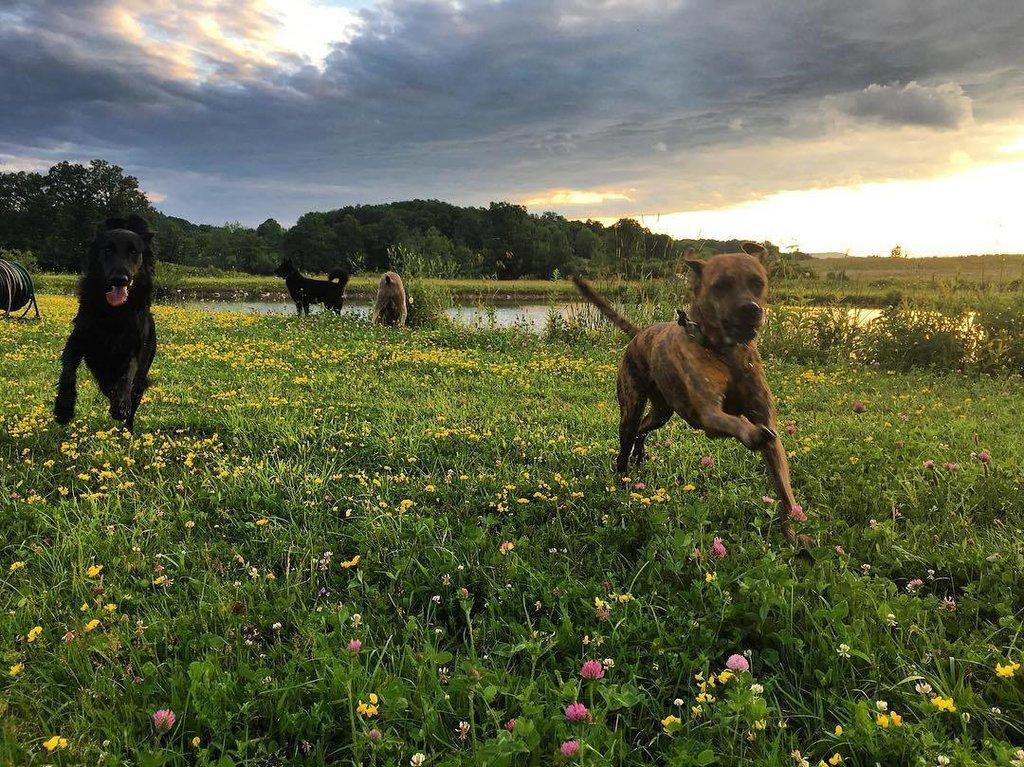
(51, 217)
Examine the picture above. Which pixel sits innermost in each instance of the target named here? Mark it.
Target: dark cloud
(941, 106)
(477, 100)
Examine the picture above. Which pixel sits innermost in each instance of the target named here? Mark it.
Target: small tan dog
(392, 306)
(705, 367)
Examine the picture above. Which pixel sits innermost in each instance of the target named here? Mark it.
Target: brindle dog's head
(729, 294)
(120, 254)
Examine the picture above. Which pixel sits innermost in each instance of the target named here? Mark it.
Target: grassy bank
(444, 498)
(853, 288)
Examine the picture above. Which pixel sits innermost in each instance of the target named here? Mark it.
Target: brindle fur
(392, 307)
(718, 386)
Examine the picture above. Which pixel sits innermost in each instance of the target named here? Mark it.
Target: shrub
(428, 304)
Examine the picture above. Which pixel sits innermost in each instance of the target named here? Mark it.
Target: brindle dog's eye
(757, 284)
(723, 285)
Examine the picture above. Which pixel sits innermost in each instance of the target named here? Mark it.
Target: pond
(499, 314)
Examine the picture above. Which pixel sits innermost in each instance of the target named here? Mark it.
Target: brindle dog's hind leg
(632, 399)
(658, 416)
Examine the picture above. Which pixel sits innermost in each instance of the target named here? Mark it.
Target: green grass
(273, 450)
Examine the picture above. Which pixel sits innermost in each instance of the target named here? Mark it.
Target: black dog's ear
(755, 249)
(137, 224)
(681, 317)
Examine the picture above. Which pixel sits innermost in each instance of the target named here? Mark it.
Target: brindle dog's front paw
(759, 436)
(63, 412)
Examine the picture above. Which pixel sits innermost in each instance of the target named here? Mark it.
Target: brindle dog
(705, 367)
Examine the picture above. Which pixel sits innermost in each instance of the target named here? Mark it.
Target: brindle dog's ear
(756, 250)
(681, 317)
(696, 271)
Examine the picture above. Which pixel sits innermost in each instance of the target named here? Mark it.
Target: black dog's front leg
(71, 358)
(120, 393)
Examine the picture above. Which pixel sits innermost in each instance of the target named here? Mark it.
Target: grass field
(443, 498)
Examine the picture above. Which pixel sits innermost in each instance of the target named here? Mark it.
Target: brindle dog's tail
(588, 292)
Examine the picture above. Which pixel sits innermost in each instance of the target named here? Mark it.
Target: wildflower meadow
(331, 543)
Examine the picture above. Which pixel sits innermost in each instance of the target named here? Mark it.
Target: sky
(827, 125)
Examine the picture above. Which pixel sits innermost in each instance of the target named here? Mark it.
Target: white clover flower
(843, 650)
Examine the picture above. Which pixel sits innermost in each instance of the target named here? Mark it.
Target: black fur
(305, 291)
(118, 343)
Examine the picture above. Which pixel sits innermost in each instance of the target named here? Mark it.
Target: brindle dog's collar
(693, 330)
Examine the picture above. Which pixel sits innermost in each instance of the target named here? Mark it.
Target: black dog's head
(285, 268)
(119, 255)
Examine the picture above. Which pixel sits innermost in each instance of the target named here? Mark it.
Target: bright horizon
(841, 129)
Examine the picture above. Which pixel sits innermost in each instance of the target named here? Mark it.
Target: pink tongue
(117, 296)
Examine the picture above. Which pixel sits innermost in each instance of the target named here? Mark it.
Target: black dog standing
(114, 330)
(305, 291)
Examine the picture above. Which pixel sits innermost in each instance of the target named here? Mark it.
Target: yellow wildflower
(55, 742)
(94, 570)
(835, 759)
(16, 669)
(839, 730)
(1006, 671)
(943, 704)
(92, 624)
(709, 577)
(670, 723)
(15, 566)
(351, 562)
(34, 633)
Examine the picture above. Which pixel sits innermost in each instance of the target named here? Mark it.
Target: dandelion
(570, 748)
(1006, 671)
(55, 742)
(354, 646)
(163, 720)
(737, 663)
(718, 549)
(576, 712)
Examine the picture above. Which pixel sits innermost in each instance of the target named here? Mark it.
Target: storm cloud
(641, 105)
